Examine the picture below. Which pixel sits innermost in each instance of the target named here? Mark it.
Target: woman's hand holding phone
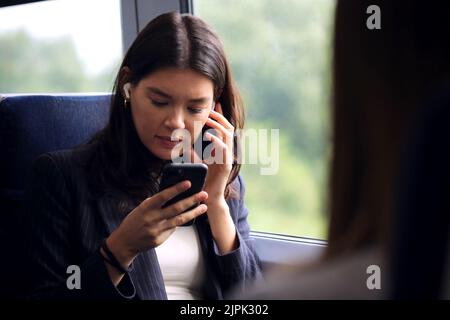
(218, 170)
(149, 225)
(220, 221)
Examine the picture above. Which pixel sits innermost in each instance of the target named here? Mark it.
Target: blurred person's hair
(381, 78)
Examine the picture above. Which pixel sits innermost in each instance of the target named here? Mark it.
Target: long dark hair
(121, 162)
(381, 78)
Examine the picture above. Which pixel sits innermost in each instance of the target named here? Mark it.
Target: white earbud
(126, 90)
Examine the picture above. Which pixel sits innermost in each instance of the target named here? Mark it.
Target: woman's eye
(159, 103)
(195, 110)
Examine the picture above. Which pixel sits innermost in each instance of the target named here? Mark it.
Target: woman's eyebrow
(199, 100)
(159, 92)
(168, 96)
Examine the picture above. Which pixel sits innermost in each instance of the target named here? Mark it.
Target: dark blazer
(67, 226)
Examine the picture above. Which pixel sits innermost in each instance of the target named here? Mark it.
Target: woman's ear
(124, 81)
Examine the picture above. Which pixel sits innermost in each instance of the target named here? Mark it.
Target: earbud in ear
(126, 90)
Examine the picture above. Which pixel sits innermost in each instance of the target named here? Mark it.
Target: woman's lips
(167, 142)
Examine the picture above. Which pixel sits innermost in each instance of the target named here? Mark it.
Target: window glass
(60, 46)
(280, 55)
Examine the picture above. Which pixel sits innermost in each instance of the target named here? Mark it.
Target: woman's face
(166, 100)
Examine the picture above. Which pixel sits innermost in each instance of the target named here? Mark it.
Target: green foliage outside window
(280, 57)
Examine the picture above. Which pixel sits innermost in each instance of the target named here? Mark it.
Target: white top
(182, 264)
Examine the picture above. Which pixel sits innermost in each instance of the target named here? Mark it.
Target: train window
(60, 46)
(280, 54)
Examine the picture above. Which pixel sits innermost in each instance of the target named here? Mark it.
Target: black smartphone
(174, 173)
(204, 143)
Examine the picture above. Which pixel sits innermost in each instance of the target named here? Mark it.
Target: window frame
(135, 14)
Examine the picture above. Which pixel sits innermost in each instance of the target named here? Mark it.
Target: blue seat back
(29, 126)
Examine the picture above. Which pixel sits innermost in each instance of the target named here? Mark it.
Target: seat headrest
(34, 124)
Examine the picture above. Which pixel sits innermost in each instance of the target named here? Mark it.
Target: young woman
(98, 206)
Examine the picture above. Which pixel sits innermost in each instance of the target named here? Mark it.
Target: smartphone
(174, 173)
(204, 143)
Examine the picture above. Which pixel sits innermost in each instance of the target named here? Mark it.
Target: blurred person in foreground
(382, 78)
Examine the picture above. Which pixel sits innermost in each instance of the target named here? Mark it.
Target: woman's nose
(175, 119)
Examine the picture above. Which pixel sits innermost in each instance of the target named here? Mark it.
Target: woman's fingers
(182, 205)
(224, 129)
(216, 140)
(221, 119)
(221, 123)
(158, 200)
(220, 149)
(219, 126)
(222, 133)
(183, 218)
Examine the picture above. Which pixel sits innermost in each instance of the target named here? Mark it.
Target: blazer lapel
(146, 274)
